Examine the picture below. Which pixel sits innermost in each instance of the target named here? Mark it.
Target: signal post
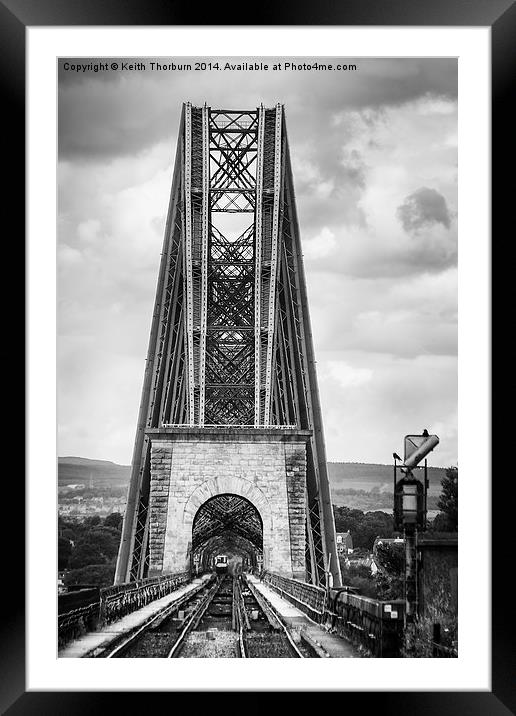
(410, 512)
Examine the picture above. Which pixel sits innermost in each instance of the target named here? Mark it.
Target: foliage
(93, 521)
(447, 519)
(390, 557)
(101, 575)
(64, 550)
(419, 641)
(98, 546)
(85, 553)
(114, 520)
(358, 576)
(365, 527)
(390, 560)
(90, 542)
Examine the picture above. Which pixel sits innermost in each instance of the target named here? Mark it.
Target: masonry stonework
(161, 463)
(267, 467)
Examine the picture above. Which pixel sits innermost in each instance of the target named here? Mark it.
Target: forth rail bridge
(228, 544)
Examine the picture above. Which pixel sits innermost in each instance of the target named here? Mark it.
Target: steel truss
(230, 340)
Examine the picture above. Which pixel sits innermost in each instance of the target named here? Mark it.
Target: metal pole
(410, 580)
(426, 494)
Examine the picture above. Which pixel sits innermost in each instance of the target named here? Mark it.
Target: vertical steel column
(258, 264)
(188, 261)
(204, 259)
(274, 265)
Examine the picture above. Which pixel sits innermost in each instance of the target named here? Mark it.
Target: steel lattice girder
(230, 340)
(225, 513)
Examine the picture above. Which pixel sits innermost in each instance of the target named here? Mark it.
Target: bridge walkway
(331, 646)
(93, 642)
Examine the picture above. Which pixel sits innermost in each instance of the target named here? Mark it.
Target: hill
(98, 473)
(363, 486)
(374, 477)
(369, 486)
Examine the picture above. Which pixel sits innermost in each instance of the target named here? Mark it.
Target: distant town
(98, 487)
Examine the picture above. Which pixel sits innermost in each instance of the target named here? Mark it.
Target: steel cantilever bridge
(230, 343)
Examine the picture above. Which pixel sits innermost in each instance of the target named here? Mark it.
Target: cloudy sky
(375, 171)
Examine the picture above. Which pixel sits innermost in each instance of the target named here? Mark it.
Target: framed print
(359, 179)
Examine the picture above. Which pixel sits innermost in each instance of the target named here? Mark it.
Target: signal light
(422, 444)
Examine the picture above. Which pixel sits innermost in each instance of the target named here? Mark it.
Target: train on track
(221, 564)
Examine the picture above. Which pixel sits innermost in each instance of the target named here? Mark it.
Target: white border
(471, 671)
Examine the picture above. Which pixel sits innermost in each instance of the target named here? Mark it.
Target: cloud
(399, 397)
(423, 208)
(88, 230)
(321, 245)
(67, 256)
(108, 114)
(383, 301)
(408, 318)
(363, 216)
(346, 375)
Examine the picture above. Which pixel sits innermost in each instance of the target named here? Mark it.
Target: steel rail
(268, 610)
(239, 616)
(192, 622)
(291, 641)
(160, 615)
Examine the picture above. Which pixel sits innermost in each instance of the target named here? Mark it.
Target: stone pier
(267, 467)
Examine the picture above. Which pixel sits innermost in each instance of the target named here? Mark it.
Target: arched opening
(227, 524)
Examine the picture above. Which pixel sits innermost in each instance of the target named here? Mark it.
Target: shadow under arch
(227, 524)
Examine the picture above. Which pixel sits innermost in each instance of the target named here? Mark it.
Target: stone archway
(239, 487)
(227, 524)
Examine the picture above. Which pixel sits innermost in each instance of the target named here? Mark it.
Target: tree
(101, 575)
(113, 520)
(447, 520)
(364, 527)
(92, 521)
(390, 560)
(64, 550)
(358, 576)
(98, 545)
(86, 553)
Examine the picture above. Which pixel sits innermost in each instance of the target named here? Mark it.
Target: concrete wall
(267, 467)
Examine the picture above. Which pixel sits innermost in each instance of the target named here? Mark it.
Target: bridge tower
(229, 453)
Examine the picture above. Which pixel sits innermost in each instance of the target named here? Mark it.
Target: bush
(359, 577)
(390, 578)
(102, 575)
(420, 637)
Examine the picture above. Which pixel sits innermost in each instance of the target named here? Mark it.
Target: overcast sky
(375, 171)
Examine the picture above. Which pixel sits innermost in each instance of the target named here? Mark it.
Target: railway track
(226, 617)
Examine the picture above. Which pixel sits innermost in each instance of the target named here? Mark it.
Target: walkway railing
(87, 609)
(307, 597)
(377, 626)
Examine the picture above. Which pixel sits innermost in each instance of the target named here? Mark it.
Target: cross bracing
(230, 341)
(227, 513)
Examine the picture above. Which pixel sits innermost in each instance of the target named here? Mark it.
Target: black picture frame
(500, 16)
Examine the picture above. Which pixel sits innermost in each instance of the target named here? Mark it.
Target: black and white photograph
(259, 328)
(257, 373)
